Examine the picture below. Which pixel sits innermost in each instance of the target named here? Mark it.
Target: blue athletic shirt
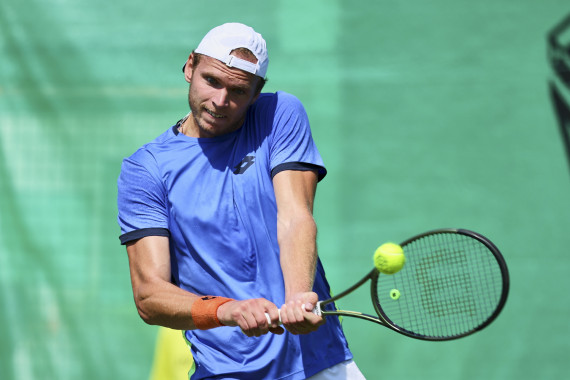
(214, 199)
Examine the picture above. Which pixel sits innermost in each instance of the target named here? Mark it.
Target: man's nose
(221, 98)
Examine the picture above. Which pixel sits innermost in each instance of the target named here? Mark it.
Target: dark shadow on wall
(559, 58)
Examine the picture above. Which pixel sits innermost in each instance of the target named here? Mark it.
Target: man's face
(218, 97)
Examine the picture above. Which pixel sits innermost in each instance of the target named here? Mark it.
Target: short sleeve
(292, 141)
(141, 200)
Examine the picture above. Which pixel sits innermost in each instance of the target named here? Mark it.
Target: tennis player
(216, 214)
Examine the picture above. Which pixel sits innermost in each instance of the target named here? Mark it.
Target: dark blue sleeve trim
(301, 166)
(138, 234)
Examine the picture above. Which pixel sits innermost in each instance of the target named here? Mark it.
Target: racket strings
(450, 285)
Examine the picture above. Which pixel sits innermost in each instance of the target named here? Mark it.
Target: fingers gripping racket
(455, 282)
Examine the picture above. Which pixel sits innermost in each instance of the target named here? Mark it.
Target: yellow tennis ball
(389, 258)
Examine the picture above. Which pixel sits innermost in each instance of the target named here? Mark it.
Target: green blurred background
(428, 114)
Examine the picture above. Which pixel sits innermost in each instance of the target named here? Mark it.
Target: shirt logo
(244, 164)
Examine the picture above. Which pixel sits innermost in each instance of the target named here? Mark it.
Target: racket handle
(269, 318)
(317, 310)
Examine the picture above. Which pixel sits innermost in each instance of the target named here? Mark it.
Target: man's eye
(211, 80)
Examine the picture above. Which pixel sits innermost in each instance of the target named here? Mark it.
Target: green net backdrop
(428, 114)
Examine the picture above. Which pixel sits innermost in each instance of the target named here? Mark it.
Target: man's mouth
(213, 114)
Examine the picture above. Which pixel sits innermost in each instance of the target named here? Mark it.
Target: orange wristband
(205, 311)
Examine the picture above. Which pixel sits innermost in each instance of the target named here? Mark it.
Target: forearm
(158, 301)
(298, 250)
(297, 242)
(164, 304)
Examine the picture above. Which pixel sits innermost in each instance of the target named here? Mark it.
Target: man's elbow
(144, 309)
(296, 226)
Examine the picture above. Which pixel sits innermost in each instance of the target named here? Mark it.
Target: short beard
(193, 111)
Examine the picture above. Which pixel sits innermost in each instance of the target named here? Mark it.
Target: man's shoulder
(279, 97)
(165, 138)
(159, 144)
(277, 103)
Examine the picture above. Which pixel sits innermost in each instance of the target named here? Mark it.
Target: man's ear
(188, 67)
(258, 89)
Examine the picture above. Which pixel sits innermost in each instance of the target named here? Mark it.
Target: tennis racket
(455, 282)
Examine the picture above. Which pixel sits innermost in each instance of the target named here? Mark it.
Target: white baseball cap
(223, 39)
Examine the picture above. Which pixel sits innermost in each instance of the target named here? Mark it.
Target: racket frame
(385, 321)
